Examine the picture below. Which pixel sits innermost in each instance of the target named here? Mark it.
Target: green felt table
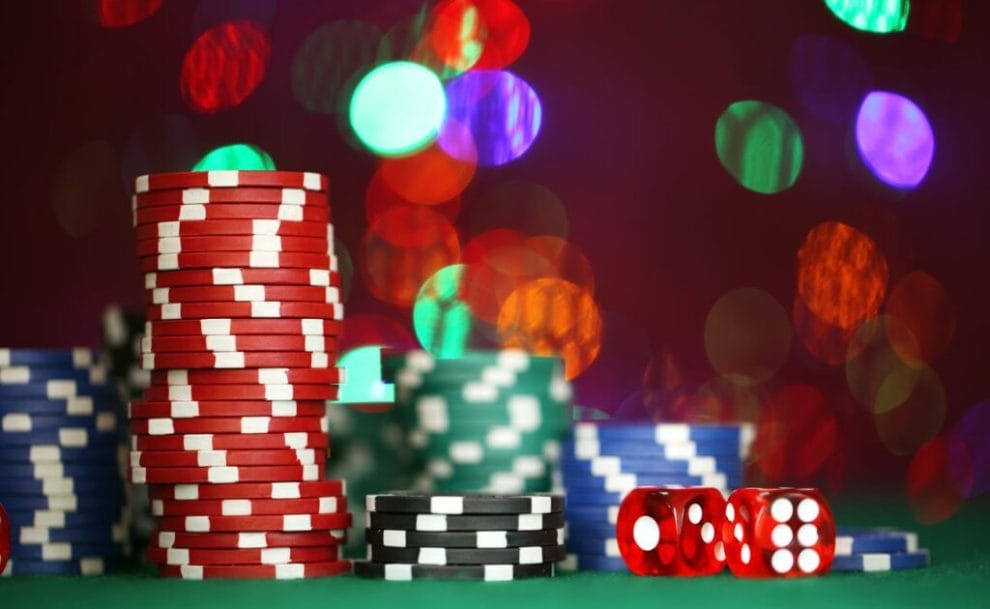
(959, 577)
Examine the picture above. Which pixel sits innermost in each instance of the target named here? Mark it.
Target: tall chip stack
(243, 317)
(469, 536)
(602, 461)
(485, 421)
(59, 477)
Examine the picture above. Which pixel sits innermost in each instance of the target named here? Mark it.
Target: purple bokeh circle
(895, 139)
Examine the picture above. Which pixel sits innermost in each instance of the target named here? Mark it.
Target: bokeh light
(939, 20)
(457, 33)
(498, 36)
(380, 198)
(841, 274)
(124, 13)
(918, 418)
(500, 111)
(410, 40)
(894, 139)
(564, 260)
(875, 16)
(328, 61)
(86, 188)
(830, 77)
(441, 319)
(938, 479)
(747, 336)
(760, 146)
(553, 316)
(402, 249)
(224, 66)
(921, 305)
(397, 108)
(235, 156)
(877, 377)
(718, 400)
(363, 377)
(796, 434)
(429, 177)
(530, 208)
(973, 463)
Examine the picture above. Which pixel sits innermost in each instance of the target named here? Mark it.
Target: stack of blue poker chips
(61, 482)
(602, 461)
(877, 549)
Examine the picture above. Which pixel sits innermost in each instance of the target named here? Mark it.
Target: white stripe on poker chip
(398, 572)
(394, 538)
(446, 505)
(513, 359)
(223, 177)
(249, 292)
(431, 522)
(432, 556)
(192, 213)
(876, 562)
(495, 573)
(228, 276)
(492, 539)
(531, 555)
(312, 181)
(524, 412)
(540, 505)
(215, 326)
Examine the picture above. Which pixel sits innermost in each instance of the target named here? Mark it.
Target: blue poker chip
(584, 528)
(55, 389)
(58, 486)
(24, 375)
(104, 423)
(574, 498)
(594, 562)
(55, 454)
(68, 437)
(615, 484)
(84, 566)
(662, 432)
(56, 518)
(105, 534)
(47, 471)
(65, 551)
(592, 513)
(72, 407)
(849, 541)
(656, 464)
(583, 449)
(65, 502)
(882, 561)
(70, 358)
(593, 546)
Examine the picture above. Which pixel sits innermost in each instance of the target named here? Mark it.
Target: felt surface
(959, 577)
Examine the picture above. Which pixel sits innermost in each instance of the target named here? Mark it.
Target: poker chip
(407, 572)
(249, 259)
(199, 392)
(249, 507)
(47, 358)
(222, 458)
(69, 437)
(274, 490)
(21, 375)
(260, 376)
(882, 561)
(228, 474)
(68, 502)
(184, 212)
(25, 487)
(60, 518)
(396, 538)
(53, 389)
(581, 543)
(188, 409)
(42, 471)
(230, 179)
(235, 276)
(285, 522)
(202, 196)
(13, 423)
(247, 540)
(215, 228)
(614, 465)
(244, 310)
(464, 503)
(850, 541)
(231, 243)
(227, 425)
(71, 406)
(594, 562)
(243, 293)
(282, 571)
(230, 441)
(64, 551)
(84, 566)
(114, 533)
(486, 522)
(266, 556)
(241, 327)
(528, 555)
(233, 344)
(237, 359)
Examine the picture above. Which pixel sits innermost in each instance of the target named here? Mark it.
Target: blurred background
(771, 211)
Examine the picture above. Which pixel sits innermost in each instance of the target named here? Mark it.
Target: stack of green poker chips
(487, 421)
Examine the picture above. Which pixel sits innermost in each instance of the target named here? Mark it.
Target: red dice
(5, 533)
(782, 532)
(663, 531)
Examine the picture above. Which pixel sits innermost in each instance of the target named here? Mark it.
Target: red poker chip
(231, 441)
(267, 393)
(203, 196)
(231, 211)
(243, 293)
(231, 179)
(305, 570)
(223, 458)
(234, 276)
(267, 556)
(239, 359)
(258, 260)
(5, 536)
(260, 376)
(219, 343)
(277, 490)
(240, 327)
(269, 309)
(228, 474)
(164, 540)
(287, 523)
(188, 409)
(218, 228)
(249, 507)
(232, 425)
(233, 243)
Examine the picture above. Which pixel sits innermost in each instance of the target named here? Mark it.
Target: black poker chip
(465, 503)
(464, 522)
(407, 572)
(394, 538)
(529, 555)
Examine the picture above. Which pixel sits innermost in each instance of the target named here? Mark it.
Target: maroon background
(631, 91)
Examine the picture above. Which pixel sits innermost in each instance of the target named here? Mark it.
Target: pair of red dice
(780, 532)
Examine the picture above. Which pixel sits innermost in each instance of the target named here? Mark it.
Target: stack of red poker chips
(244, 312)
